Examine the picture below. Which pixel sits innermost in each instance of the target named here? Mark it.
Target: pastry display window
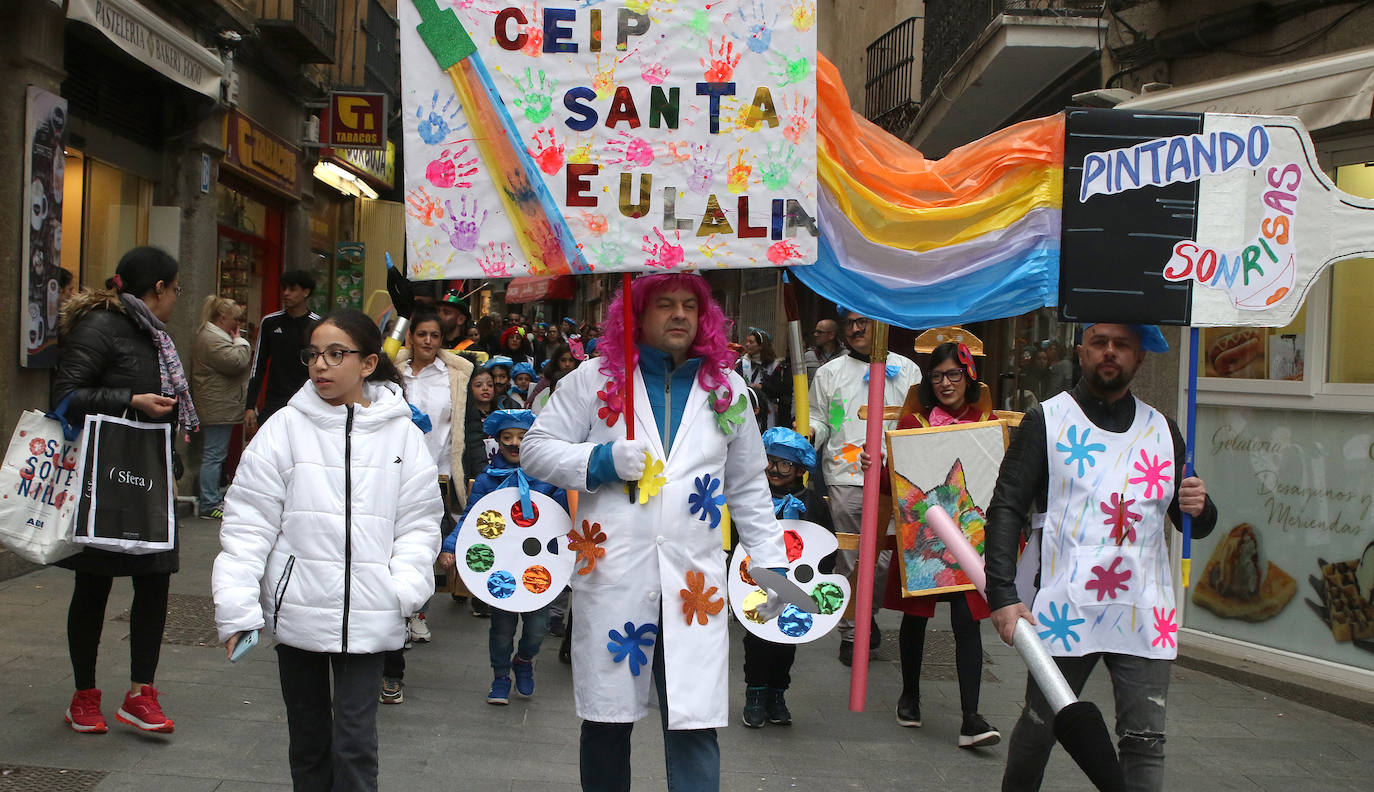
(1285, 443)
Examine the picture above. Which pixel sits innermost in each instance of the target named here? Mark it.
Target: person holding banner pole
(839, 408)
(1097, 472)
(651, 580)
(116, 358)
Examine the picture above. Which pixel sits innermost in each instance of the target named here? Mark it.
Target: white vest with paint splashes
(1105, 580)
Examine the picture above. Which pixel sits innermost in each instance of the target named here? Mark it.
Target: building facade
(1284, 438)
(187, 124)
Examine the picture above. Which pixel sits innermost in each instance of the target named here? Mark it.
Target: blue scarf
(521, 480)
(789, 506)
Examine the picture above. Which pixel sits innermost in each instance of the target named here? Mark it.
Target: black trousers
(86, 618)
(968, 652)
(333, 734)
(767, 664)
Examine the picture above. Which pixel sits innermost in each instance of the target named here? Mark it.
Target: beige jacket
(459, 373)
(220, 366)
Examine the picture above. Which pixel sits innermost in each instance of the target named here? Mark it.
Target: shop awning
(540, 287)
(153, 41)
(1322, 92)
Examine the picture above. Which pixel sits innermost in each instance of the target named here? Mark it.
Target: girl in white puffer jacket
(329, 538)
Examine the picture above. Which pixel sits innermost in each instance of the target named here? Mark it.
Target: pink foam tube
(1025, 642)
(868, 537)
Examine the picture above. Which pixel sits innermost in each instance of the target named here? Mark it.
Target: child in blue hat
(768, 665)
(521, 378)
(507, 428)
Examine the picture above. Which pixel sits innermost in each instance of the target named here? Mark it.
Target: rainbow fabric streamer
(923, 243)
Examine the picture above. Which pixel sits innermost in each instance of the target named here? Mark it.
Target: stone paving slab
(231, 726)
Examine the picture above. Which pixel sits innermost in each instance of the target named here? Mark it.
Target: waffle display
(1349, 612)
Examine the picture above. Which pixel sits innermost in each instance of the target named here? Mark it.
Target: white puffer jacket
(331, 527)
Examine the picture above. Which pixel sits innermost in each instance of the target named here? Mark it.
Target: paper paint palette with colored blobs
(511, 561)
(807, 543)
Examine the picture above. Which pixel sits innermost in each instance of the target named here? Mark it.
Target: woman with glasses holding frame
(948, 394)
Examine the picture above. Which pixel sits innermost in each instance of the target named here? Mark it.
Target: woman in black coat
(115, 358)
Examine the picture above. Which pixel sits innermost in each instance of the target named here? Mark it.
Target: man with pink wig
(649, 593)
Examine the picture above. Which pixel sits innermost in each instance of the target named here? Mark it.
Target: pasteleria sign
(1209, 220)
(632, 136)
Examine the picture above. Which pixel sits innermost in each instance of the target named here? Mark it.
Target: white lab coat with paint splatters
(837, 392)
(651, 547)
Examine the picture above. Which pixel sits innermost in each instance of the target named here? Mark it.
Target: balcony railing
(953, 25)
(889, 86)
(303, 27)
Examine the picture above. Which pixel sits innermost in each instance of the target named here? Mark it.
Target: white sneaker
(419, 631)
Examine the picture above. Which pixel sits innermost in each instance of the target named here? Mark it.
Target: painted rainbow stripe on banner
(923, 243)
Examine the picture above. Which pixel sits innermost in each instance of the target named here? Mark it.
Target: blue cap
(784, 443)
(499, 360)
(522, 368)
(1151, 340)
(590, 346)
(507, 419)
(570, 320)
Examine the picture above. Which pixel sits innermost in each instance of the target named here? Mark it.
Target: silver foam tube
(1042, 667)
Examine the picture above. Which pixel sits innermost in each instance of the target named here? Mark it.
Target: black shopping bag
(127, 492)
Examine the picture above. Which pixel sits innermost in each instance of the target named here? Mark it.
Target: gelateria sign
(153, 41)
(267, 159)
(1202, 219)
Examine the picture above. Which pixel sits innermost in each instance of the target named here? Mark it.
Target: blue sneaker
(524, 676)
(500, 691)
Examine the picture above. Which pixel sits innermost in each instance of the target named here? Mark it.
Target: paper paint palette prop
(511, 561)
(807, 543)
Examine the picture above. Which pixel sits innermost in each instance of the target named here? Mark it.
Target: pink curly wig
(711, 343)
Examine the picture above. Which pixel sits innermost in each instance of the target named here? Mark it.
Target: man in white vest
(839, 409)
(648, 596)
(1099, 473)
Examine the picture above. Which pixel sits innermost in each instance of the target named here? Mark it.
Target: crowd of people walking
(360, 472)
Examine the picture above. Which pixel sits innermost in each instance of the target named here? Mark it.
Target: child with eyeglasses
(768, 665)
(329, 537)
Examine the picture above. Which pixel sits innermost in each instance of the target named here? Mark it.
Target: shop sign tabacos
(252, 151)
(1212, 219)
(644, 136)
(357, 120)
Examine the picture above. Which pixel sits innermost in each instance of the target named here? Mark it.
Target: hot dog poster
(1208, 220)
(598, 136)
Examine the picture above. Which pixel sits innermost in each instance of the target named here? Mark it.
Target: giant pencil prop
(796, 353)
(869, 529)
(1078, 725)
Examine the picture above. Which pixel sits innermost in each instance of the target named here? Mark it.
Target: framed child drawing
(954, 467)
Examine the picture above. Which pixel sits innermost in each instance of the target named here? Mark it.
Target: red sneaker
(84, 712)
(143, 712)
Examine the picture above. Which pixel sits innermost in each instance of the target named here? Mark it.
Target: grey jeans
(846, 511)
(1140, 687)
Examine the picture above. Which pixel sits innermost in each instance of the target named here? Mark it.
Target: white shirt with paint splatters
(837, 392)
